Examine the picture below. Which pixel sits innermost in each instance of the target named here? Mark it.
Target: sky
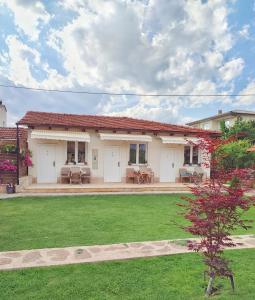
(128, 46)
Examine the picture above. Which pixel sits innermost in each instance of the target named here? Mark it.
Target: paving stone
(58, 255)
(136, 245)
(115, 247)
(31, 256)
(82, 255)
(13, 254)
(148, 247)
(71, 255)
(95, 249)
(5, 261)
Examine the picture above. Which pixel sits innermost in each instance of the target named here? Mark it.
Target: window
(132, 154)
(227, 123)
(195, 155)
(206, 126)
(70, 152)
(142, 153)
(187, 155)
(137, 153)
(81, 152)
(76, 152)
(191, 155)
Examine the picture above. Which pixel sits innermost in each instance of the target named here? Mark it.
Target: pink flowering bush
(26, 158)
(8, 165)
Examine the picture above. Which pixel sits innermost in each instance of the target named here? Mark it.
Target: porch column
(17, 153)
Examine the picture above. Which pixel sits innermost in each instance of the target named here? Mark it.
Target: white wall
(153, 156)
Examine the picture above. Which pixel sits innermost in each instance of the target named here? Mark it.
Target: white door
(46, 165)
(167, 165)
(112, 164)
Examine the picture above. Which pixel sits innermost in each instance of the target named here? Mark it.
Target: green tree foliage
(241, 137)
(235, 155)
(240, 130)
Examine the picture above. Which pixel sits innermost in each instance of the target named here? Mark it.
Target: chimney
(3, 115)
(220, 112)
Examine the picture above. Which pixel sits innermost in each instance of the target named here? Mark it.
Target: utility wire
(124, 94)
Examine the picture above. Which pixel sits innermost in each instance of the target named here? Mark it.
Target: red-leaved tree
(215, 211)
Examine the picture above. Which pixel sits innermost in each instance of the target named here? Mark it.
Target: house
(214, 122)
(108, 146)
(8, 153)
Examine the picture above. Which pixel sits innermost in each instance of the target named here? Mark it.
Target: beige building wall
(215, 123)
(154, 149)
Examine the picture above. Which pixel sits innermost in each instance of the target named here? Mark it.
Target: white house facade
(109, 146)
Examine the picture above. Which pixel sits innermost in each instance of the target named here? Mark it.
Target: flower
(7, 165)
(27, 160)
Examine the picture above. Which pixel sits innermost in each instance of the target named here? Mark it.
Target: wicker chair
(151, 175)
(65, 174)
(130, 175)
(85, 174)
(75, 175)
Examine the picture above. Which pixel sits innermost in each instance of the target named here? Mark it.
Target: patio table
(142, 177)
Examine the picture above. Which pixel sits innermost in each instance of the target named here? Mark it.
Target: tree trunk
(209, 287)
(231, 277)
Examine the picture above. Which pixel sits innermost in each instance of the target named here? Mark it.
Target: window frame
(137, 154)
(191, 161)
(76, 152)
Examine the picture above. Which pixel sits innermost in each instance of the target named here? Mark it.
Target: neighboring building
(108, 146)
(8, 152)
(3, 115)
(213, 123)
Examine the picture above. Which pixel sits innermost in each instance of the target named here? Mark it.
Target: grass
(28, 223)
(170, 277)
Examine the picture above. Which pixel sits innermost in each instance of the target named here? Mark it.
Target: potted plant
(9, 148)
(10, 188)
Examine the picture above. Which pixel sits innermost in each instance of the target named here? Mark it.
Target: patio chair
(65, 174)
(151, 175)
(198, 174)
(184, 174)
(85, 175)
(75, 175)
(144, 174)
(130, 175)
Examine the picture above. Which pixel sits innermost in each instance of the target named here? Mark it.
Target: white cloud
(245, 31)
(249, 100)
(157, 46)
(20, 57)
(28, 15)
(232, 69)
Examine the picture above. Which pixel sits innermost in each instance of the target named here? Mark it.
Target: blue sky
(131, 46)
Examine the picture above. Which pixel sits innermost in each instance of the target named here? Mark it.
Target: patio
(107, 188)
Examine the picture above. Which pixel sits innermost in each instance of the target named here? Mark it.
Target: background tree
(240, 137)
(214, 212)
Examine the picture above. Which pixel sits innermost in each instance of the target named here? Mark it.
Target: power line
(124, 94)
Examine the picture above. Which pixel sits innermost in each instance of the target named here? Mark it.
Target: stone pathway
(86, 254)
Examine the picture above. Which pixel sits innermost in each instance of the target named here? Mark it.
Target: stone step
(105, 189)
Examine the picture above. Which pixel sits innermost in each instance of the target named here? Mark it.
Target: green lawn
(28, 223)
(170, 277)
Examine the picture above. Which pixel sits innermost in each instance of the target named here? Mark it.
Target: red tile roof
(104, 122)
(9, 133)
